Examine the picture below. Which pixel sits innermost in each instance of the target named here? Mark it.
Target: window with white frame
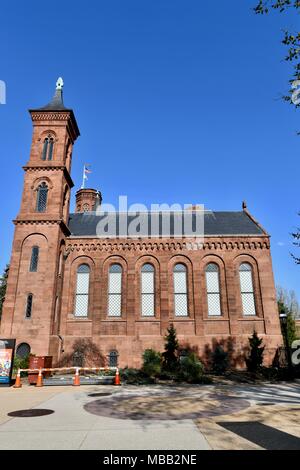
(212, 275)
(247, 290)
(115, 291)
(147, 290)
(82, 291)
(180, 290)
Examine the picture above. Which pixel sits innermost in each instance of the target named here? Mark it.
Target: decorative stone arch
(110, 260)
(181, 259)
(218, 260)
(147, 259)
(246, 258)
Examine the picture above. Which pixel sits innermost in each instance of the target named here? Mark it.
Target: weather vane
(59, 83)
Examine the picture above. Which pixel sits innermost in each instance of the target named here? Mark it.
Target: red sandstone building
(122, 293)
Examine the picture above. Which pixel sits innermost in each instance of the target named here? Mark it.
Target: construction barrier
(18, 383)
(117, 378)
(76, 378)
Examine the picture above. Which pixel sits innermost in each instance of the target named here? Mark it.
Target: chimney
(88, 200)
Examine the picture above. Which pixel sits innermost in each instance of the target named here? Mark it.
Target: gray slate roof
(215, 223)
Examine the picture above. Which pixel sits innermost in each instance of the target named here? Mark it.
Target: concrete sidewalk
(71, 427)
(162, 421)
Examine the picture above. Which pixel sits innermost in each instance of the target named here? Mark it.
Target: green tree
(288, 305)
(3, 284)
(255, 359)
(296, 237)
(291, 39)
(151, 362)
(170, 357)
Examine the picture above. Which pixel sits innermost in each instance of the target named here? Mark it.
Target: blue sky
(176, 101)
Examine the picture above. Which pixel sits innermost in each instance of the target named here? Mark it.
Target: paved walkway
(149, 417)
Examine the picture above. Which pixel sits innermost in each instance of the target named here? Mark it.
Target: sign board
(7, 352)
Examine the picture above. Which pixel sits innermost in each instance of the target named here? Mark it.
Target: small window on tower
(42, 195)
(34, 259)
(28, 310)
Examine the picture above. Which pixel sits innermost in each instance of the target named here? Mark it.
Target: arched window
(82, 291)
(115, 291)
(247, 291)
(213, 289)
(113, 359)
(34, 259)
(23, 350)
(47, 152)
(147, 290)
(180, 290)
(28, 310)
(41, 197)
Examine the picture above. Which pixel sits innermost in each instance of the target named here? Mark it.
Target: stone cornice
(166, 245)
(44, 221)
(34, 168)
(40, 115)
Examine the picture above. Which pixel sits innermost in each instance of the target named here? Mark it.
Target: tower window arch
(247, 290)
(34, 260)
(180, 290)
(41, 197)
(212, 275)
(48, 145)
(147, 290)
(28, 309)
(115, 290)
(82, 291)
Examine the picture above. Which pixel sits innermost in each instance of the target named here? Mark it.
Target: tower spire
(57, 103)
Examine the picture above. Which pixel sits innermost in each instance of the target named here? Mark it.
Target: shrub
(219, 360)
(151, 362)
(134, 376)
(21, 363)
(255, 359)
(191, 369)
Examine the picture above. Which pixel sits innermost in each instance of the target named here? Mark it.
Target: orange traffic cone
(18, 380)
(77, 378)
(117, 378)
(39, 382)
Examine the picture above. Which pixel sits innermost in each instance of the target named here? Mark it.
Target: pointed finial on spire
(59, 83)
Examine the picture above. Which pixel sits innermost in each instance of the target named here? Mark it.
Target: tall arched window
(115, 291)
(28, 310)
(213, 289)
(41, 197)
(47, 152)
(34, 259)
(247, 291)
(180, 290)
(82, 291)
(147, 290)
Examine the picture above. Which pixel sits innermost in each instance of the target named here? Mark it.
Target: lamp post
(283, 321)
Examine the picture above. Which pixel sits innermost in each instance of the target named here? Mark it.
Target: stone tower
(32, 305)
